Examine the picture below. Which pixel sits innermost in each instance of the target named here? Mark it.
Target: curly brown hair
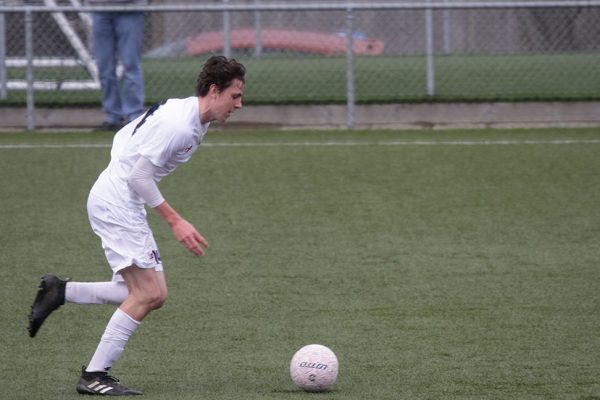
(220, 71)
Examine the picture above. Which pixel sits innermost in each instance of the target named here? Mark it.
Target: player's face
(228, 100)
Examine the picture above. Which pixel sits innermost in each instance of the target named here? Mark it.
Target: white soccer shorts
(126, 236)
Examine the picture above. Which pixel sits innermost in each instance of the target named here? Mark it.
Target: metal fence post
(447, 27)
(258, 32)
(429, 50)
(3, 79)
(29, 56)
(226, 32)
(350, 106)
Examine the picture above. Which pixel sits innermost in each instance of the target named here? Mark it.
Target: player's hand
(187, 235)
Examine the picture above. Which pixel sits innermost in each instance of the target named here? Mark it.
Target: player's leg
(53, 292)
(114, 292)
(147, 292)
(132, 254)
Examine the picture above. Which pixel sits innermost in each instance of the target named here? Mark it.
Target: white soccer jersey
(167, 136)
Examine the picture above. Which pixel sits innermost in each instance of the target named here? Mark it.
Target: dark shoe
(108, 127)
(50, 296)
(100, 383)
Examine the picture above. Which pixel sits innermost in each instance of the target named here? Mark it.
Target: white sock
(96, 292)
(111, 346)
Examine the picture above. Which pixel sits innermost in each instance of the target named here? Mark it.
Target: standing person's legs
(129, 28)
(105, 48)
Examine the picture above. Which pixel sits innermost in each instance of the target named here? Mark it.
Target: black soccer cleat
(50, 296)
(102, 384)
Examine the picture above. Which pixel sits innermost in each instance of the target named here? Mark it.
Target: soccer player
(143, 152)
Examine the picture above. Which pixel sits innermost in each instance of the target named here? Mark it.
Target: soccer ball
(314, 368)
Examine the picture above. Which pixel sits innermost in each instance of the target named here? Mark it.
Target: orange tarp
(283, 39)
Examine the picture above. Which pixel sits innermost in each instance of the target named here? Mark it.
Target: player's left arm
(183, 231)
(142, 182)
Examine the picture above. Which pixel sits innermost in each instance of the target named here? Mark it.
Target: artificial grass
(454, 264)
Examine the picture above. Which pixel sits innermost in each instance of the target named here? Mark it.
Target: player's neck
(205, 112)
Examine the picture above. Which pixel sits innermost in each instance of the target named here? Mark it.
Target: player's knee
(157, 300)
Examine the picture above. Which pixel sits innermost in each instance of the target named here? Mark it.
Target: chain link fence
(298, 52)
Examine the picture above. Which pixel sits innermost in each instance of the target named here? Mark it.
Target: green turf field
(436, 264)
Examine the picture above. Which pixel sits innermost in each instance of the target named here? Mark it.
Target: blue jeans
(118, 35)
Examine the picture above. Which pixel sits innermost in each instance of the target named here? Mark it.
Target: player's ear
(213, 89)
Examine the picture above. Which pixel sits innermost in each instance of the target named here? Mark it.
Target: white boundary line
(406, 143)
(384, 143)
(53, 146)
